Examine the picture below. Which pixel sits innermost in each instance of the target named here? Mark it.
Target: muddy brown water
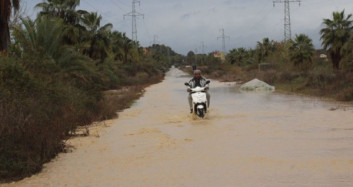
(248, 139)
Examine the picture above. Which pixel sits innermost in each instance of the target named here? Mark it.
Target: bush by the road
(52, 81)
(38, 112)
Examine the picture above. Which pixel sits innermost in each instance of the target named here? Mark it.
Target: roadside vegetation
(55, 71)
(294, 65)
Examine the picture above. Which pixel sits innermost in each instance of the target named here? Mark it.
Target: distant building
(219, 55)
(323, 56)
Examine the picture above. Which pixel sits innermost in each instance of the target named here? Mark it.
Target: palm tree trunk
(4, 35)
(336, 58)
(336, 64)
(125, 56)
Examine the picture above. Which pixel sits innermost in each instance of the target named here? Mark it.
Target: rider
(196, 81)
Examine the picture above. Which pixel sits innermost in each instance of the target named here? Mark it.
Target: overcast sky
(185, 24)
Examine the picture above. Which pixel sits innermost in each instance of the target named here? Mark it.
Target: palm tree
(42, 39)
(264, 49)
(127, 45)
(6, 7)
(116, 37)
(238, 56)
(96, 36)
(347, 49)
(65, 10)
(301, 49)
(335, 35)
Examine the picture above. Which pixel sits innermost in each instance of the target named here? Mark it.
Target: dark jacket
(192, 82)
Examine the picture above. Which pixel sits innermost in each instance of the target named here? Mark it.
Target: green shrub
(35, 116)
(346, 94)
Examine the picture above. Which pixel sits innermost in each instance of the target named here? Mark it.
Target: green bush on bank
(36, 115)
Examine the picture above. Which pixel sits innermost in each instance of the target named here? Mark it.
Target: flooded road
(248, 139)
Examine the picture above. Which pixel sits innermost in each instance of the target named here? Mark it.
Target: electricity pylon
(223, 37)
(203, 47)
(287, 22)
(155, 39)
(134, 14)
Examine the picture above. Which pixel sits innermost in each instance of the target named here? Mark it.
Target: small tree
(264, 49)
(301, 50)
(190, 57)
(127, 46)
(238, 56)
(335, 35)
(97, 36)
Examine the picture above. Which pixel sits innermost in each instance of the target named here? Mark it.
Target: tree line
(337, 43)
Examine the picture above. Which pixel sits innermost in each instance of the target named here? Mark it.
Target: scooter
(199, 100)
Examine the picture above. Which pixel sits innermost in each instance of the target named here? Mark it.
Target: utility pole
(287, 23)
(203, 46)
(223, 37)
(155, 39)
(196, 51)
(134, 14)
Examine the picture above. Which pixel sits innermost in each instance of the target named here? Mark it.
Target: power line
(89, 4)
(106, 16)
(223, 37)
(146, 29)
(122, 3)
(117, 5)
(287, 22)
(134, 14)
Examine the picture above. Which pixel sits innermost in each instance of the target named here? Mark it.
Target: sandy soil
(248, 139)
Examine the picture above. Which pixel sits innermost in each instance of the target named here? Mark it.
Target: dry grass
(116, 100)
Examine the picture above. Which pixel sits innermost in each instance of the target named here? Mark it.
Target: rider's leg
(190, 101)
(208, 96)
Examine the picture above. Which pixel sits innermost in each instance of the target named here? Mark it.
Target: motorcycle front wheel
(200, 113)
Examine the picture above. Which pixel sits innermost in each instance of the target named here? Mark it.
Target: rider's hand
(206, 88)
(189, 89)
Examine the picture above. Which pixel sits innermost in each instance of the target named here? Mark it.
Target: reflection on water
(248, 139)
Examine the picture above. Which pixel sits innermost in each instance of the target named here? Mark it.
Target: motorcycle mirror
(187, 84)
(208, 82)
